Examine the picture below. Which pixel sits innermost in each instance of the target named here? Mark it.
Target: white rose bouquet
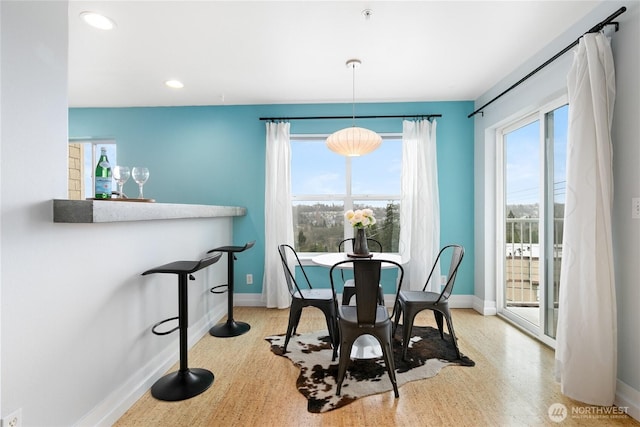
(360, 218)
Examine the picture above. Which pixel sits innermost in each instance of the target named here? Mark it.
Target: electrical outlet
(635, 208)
(249, 279)
(13, 420)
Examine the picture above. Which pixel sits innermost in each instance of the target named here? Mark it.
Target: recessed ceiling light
(174, 84)
(97, 20)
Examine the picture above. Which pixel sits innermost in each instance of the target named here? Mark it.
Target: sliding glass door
(531, 211)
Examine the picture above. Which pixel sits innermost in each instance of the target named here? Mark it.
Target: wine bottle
(103, 176)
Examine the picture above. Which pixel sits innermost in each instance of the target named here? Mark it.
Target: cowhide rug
(312, 353)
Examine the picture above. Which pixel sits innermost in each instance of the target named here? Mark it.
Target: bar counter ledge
(97, 211)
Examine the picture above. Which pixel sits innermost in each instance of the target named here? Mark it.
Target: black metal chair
(230, 328)
(348, 289)
(186, 382)
(305, 297)
(367, 317)
(410, 303)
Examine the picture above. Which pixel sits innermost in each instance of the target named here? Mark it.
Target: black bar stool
(186, 382)
(230, 328)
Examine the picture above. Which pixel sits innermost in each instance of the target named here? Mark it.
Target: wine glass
(140, 175)
(121, 174)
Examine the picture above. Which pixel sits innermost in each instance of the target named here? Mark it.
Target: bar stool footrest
(153, 329)
(220, 292)
(182, 384)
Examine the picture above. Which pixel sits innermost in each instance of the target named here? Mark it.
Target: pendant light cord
(353, 93)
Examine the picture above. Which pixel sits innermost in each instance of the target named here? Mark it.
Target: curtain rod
(594, 29)
(415, 116)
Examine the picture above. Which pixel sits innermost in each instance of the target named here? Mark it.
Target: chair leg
(329, 316)
(380, 296)
(297, 320)
(452, 333)
(347, 294)
(345, 359)
(407, 324)
(396, 319)
(387, 353)
(438, 317)
(294, 318)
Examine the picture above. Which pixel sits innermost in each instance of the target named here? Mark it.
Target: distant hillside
(532, 211)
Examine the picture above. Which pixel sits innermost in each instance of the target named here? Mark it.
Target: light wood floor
(511, 385)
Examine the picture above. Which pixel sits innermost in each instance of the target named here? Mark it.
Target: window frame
(349, 197)
(538, 114)
(95, 144)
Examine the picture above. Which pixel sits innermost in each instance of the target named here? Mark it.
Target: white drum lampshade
(353, 141)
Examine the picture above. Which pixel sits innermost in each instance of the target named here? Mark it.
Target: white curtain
(586, 347)
(419, 204)
(278, 221)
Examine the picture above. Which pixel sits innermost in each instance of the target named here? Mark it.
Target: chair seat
(316, 294)
(348, 313)
(419, 297)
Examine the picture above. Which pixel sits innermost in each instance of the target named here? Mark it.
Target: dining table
(365, 346)
(331, 258)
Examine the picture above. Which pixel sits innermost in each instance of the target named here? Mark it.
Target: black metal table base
(230, 328)
(182, 385)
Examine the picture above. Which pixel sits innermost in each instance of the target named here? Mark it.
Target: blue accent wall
(216, 155)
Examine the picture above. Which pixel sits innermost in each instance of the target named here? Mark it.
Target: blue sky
(522, 154)
(317, 170)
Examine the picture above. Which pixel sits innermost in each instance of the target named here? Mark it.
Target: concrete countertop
(95, 211)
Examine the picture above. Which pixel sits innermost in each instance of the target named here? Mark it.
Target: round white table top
(329, 259)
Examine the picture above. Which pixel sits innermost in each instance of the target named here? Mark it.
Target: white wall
(76, 346)
(543, 87)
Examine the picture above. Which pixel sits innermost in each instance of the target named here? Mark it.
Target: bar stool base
(182, 385)
(229, 329)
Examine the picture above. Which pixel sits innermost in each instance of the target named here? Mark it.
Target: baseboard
(484, 307)
(629, 398)
(461, 301)
(107, 412)
(248, 300)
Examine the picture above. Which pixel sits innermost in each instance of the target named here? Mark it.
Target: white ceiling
(275, 52)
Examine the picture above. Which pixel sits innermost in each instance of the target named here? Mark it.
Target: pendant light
(353, 141)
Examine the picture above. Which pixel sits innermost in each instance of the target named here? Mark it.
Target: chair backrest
(366, 275)
(457, 253)
(373, 244)
(287, 255)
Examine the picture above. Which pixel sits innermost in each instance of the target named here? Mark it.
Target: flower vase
(360, 247)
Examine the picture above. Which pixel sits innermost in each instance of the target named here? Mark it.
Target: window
(325, 184)
(83, 156)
